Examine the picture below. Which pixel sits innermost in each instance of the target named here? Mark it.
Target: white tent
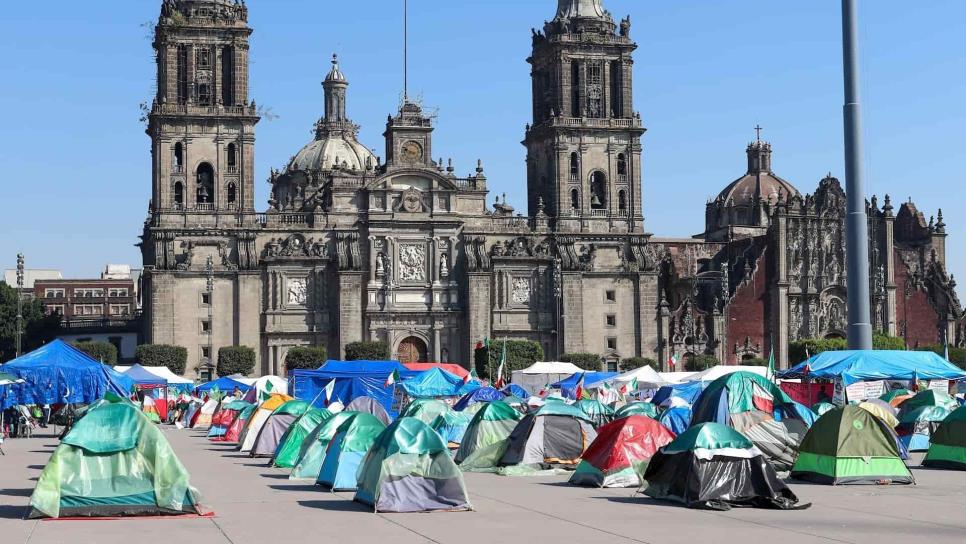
(536, 376)
(161, 372)
(278, 385)
(647, 378)
(677, 377)
(716, 372)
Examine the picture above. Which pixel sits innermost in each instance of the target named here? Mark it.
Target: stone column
(437, 348)
(350, 309)
(573, 313)
(890, 274)
(247, 318)
(478, 311)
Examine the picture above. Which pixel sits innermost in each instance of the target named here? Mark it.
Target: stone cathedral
(357, 246)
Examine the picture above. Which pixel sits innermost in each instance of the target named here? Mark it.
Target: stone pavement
(255, 504)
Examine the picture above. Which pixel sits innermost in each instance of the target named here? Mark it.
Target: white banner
(939, 385)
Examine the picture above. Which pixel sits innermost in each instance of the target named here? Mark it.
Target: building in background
(30, 276)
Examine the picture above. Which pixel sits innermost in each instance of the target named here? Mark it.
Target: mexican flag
(329, 391)
(672, 362)
(393, 378)
(500, 383)
(579, 390)
(267, 393)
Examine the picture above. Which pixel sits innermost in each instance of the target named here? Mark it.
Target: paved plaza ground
(254, 504)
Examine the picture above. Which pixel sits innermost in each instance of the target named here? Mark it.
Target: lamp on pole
(558, 298)
(20, 272)
(210, 289)
(857, 225)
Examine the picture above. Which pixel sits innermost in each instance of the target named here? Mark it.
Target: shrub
(235, 360)
(756, 361)
(586, 361)
(796, 349)
(957, 356)
(700, 362)
(367, 351)
(632, 363)
(173, 357)
(104, 352)
(519, 355)
(305, 358)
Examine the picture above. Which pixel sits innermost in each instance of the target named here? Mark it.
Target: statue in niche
(273, 248)
(380, 265)
(444, 266)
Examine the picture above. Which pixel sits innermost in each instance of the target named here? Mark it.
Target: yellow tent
(880, 412)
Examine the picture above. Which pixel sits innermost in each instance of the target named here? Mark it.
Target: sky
(75, 162)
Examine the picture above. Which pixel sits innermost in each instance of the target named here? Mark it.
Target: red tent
(616, 458)
(448, 367)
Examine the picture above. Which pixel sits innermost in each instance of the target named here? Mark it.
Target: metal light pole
(20, 272)
(856, 226)
(210, 287)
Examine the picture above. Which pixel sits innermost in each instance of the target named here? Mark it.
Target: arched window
(178, 194)
(206, 184)
(598, 190)
(178, 156)
(621, 165)
(574, 166)
(575, 199)
(233, 192)
(622, 200)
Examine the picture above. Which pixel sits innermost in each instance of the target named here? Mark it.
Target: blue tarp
(483, 394)
(353, 379)
(58, 373)
(122, 382)
(517, 391)
(689, 392)
(142, 377)
(677, 419)
(857, 366)
(568, 386)
(225, 385)
(437, 383)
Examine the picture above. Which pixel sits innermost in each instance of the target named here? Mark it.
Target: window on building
(53, 293)
(205, 326)
(610, 296)
(621, 165)
(574, 199)
(120, 309)
(595, 90)
(622, 200)
(178, 194)
(617, 89)
(182, 74)
(611, 320)
(206, 184)
(232, 156)
(206, 353)
(232, 193)
(204, 94)
(51, 309)
(228, 76)
(117, 292)
(575, 106)
(88, 293)
(612, 343)
(178, 157)
(574, 166)
(598, 190)
(88, 309)
(205, 299)
(204, 58)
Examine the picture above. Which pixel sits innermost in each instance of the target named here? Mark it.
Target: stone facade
(353, 247)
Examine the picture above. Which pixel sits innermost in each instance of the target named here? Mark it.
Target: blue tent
(568, 387)
(689, 392)
(436, 383)
(145, 379)
(353, 379)
(516, 390)
(483, 394)
(677, 419)
(58, 373)
(857, 366)
(226, 385)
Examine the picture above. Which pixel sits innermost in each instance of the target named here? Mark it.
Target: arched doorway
(412, 350)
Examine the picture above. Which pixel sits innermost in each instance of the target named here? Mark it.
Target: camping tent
(368, 405)
(713, 466)
(822, 407)
(436, 383)
(947, 448)
(897, 396)
(568, 386)
(235, 428)
(930, 397)
(620, 452)
(224, 418)
(677, 419)
(163, 372)
(425, 410)
(516, 390)
(598, 412)
(485, 439)
(113, 462)
(289, 446)
(917, 425)
(856, 366)
(224, 384)
(145, 379)
(687, 392)
(258, 419)
(885, 413)
(58, 373)
(312, 452)
(451, 426)
(637, 408)
(556, 434)
(202, 417)
(452, 368)
(353, 439)
(850, 445)
(536, 376)
(353, 379)
(275, 427)
(717, 371)
(483, 394)
(409, 469)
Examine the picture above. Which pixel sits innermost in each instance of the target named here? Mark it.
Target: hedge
(104, 352)
(957, 356)
(519, 355)
(755, 361)
(235, 360)
(586, 361)
(367, 351)
(699, 363)
(173, 357)
(796, 349)
(305, 358)
(633, 363)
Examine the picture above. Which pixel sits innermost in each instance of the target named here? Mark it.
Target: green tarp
(311, 454)
(425, 410)
(708, 436)
(947, 447)
(637, 409)
(291, 444)
(485, 440)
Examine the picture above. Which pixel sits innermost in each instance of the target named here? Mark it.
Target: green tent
(113, 462)
(312, 451)
(275, 427)
(425, 410)
(598, 412)
(821, 407)
(452, 426)
(291, 443)
(947, 447)
(409, 469)
(348, 448)
(648, 409)
(930, 397)
(850, 445)
(894, 394)
(485, 439)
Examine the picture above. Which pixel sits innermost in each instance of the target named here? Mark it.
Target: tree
(104, 352)
(173, 357)
(519, 355)
(755, 361)
(38, 328)
(633, 363)
(700, 362)
(586, 361)
(814, 346)
(367, 351)
(305, 357)
(235, 360)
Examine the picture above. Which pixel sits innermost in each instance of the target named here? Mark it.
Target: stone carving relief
(296, 247)
(348, 251)
(411, 201)
(521, 291)
(477, 257)
(298, 291)
(832, 317)
(412, 262)
(522, 247)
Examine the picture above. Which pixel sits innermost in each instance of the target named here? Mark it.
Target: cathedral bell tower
(201, 123)
(583, 147)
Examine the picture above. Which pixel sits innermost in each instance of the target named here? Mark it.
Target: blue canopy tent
(689, 392)
(482, 394)
(124, 383)
(224, 384)
(516, 390)
(353, 379)
(143, 379)
(58, 373)
(568, 387)
(437, 383)
(857, 366)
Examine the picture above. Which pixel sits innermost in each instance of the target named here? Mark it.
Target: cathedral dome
(571, 9)
(758, 182)
(331, 150)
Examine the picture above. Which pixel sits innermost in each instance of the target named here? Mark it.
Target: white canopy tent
(161, 372)
(536, 376)
(716, 372)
